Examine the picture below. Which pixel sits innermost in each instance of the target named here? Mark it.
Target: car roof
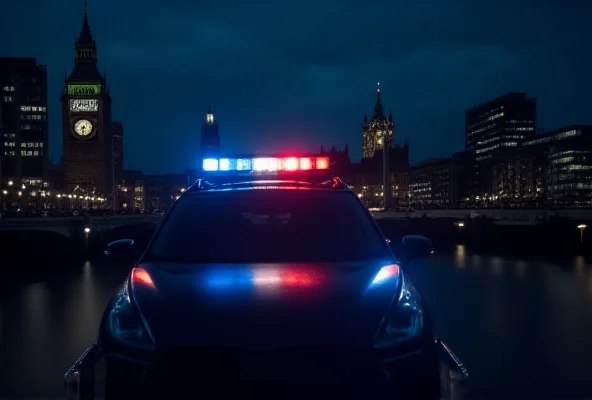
(225, 183)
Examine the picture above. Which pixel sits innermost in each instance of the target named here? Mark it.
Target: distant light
(460, 224)
(86, 230)
(582, 226)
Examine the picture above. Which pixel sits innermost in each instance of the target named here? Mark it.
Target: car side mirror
(121, 250)
(416, 246)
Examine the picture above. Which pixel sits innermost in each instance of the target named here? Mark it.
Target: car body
(268, 286)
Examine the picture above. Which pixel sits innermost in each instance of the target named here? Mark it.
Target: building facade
(378, 130)
(367, 178)
(117, 133)
(24, 134)
(86, 120)
(441, 182)
(504, 122)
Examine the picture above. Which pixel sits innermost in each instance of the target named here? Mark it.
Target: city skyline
(326, 107)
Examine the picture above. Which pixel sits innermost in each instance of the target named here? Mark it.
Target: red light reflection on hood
(141, 276)
(287, 277)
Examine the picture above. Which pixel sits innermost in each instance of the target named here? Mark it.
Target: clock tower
(86, 122)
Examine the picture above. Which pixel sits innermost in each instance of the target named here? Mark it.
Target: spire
(378, 111)
(210, 114)
(85, 36)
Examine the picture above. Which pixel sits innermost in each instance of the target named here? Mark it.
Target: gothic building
(210, 137)
(379, 129)
(86, 122)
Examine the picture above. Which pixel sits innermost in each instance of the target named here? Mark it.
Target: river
(522, 327)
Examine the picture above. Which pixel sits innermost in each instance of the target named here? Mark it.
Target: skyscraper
(86, 117)
(504, 122)
(378, 129)
(24, 123)
(210, 137)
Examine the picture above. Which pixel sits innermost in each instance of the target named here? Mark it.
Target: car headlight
(124, 323)
(405, 319)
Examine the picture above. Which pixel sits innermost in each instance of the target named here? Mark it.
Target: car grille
(261, 371)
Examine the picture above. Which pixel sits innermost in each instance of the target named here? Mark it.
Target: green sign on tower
(83, 89)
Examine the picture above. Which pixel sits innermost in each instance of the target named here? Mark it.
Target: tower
(86, 122)
(210, 138)
(378, 129)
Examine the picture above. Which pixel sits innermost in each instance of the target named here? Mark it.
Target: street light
(581, 227)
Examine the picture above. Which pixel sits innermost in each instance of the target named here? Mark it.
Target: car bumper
(99, 374)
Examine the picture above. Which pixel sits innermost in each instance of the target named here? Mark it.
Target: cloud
(297, 71)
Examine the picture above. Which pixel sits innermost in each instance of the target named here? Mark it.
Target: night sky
(286, 75)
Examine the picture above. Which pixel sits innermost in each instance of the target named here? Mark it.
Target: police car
(267, 275)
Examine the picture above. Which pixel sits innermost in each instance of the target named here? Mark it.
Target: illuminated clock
(83, 127)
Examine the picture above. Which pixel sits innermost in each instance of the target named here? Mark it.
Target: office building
(23, 123)
(504, 122)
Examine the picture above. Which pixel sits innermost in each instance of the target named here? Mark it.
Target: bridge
(502, 216)
(75, 226)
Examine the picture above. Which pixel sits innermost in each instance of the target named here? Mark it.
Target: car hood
(266, 306)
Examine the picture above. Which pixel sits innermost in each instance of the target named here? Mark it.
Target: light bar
(266, 164)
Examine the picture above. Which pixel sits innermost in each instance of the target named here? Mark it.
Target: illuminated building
(23, 123)
(117, 132)
(506, 121)
(210, 137)
(552, 168)
(367, 180)
(378, 129)
(569, 165)
(86, 123)
(440, 182)
(493, 127)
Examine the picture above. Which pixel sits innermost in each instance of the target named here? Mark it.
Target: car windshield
(271, 225)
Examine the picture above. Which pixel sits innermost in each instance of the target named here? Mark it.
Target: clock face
(83, 127)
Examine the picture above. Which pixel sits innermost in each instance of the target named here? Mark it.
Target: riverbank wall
(32, 250)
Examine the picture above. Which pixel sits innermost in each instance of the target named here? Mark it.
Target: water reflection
(506, 309)
(580, 265)
(460, 256)
(497, 265)
(521, 268)
(497, 313)
(46, 325)
(36, 313)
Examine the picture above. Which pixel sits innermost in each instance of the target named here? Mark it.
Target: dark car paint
(220, 305)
